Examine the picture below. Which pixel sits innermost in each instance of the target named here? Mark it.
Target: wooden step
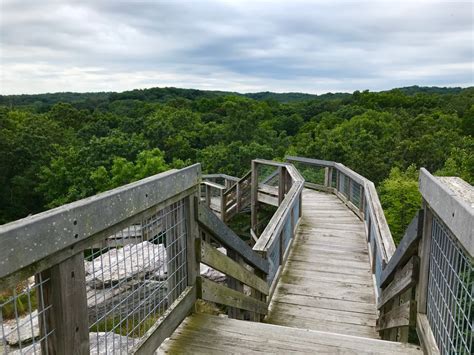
(205, 334)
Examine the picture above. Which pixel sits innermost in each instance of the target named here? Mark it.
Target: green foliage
(400, 199)
(57, 148)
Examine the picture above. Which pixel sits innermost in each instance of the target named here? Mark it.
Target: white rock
(130, 262)
(212, 274)
(146, 295)
(110, 343)
(25, 330)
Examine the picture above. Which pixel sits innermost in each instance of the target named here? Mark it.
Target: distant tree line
(57, 148)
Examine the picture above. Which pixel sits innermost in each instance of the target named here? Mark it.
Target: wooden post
(171, 253)
(281, 184)
(192, 234)
(223, 205)
(424, 254)
(257, 317)
(66, 293)
(234, 284)
(362, 200)
(326, 177)
(208, 195)
(237, 197)
(254, 198)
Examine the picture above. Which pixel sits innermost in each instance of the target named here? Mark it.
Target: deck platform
(327, 283)
(324, 302)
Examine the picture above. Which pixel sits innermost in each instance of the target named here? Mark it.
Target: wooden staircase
(206, 334)
(324, 301)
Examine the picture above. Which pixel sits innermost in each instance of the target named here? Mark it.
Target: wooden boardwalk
(327, 283)
(324, 302)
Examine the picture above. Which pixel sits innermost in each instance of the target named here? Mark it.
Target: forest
(58, 148)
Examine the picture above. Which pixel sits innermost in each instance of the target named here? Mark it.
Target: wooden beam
(66, 293)
(167, 323)
(309, 161)
(254, 198)
(403, 315)
(224, 235)
(215, 259)
(406, 248)
(268, 199)
(424, 254)
(452, 209)
(65, 226)
(192, 228)
(403, 279)
(425, 334)
(232, 282)
(214, 292)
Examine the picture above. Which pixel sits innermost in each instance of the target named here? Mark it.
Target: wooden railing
(119, 271)
(240, 264)
(275, 241)
(227, 198)
(426, 283)
(360, 195)
(83, 297)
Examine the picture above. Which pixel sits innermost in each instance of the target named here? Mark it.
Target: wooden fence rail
(426, 282)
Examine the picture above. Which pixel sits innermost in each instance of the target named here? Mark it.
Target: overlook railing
(119, 271)
(360, 195)
(427, 282)
(88, 295)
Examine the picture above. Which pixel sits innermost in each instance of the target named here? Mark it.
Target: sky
(244, 46)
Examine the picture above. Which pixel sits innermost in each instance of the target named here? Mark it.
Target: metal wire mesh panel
(355, 191)
(450, 293)
(311, 173)
(131, 284)
(273, 259)
(334, 178)
(287, 233)
(23, 311)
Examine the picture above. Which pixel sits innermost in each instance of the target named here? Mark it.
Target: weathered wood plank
(229, 239)
(66, 293)
(214, 292)
(403, 279)
(425, 335)
(215, 259)
(268, 199)
(252, 338)
(67, 225)
(167, 323)
(405, 249)
(324, 302)
(452, 208)
(403, 315)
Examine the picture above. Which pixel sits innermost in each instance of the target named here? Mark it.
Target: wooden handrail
(224, 235)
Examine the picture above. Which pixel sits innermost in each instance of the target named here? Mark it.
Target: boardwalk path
(324, 303)
(327, 284)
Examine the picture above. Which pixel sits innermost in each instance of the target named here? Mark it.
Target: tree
(400, 199)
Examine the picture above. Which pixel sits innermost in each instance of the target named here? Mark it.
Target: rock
(130, 262)
(25, 331)
(100, 343)
(108, 343)
(212, 274)
(101, 301)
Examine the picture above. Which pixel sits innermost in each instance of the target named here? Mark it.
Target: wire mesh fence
(450, 293)
(23, 313)
(311, 173)
(130, 286)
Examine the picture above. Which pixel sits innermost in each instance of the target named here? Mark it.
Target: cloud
(308, 46)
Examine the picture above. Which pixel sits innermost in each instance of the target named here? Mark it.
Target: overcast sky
(245, 46)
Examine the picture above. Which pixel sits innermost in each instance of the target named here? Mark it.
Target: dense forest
(57, 148)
